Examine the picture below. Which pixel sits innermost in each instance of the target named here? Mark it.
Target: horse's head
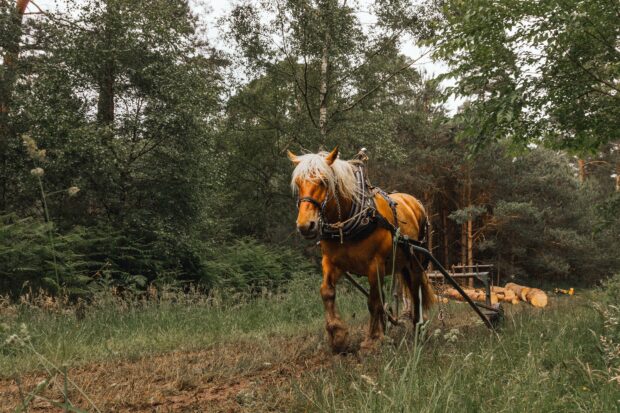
(313, 180)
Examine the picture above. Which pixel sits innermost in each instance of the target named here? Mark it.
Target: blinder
(319, 205)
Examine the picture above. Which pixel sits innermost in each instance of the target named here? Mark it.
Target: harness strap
(311, 200)
(403, 240)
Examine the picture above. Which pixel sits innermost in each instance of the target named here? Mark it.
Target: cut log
(475, 295)
(534, 296)
(537, 297)
(504, 294)
(519, 290)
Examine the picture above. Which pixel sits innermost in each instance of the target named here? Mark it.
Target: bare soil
(246, 376)
(243, 376)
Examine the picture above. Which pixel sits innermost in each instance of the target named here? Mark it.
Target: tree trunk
(534, 296)
(463, 244)
(429, 219)
(618, 177)
(323, 89)
(105, 105)
(475, 295)
(463, 227)
(446, 242)
(470, 248)
(7, 84)
(470, 225)
(107, 75)
(582, 170)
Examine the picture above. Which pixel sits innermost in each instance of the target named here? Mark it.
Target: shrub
(249, 265)
(77, 261)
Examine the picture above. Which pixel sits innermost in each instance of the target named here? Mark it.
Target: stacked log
(534, 296)
(505, 295)
(475, 295)
(511, 293)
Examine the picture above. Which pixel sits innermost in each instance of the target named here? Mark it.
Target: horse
(328, 197)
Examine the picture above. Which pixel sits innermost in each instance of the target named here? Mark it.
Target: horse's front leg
(376, 272)
(336, 329)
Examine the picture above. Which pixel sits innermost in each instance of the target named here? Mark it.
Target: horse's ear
(292, 157)
(332, 156)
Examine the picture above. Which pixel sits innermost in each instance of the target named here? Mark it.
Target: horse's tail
(428, 294)
(423, 228)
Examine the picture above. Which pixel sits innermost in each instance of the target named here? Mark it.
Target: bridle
(321, 207)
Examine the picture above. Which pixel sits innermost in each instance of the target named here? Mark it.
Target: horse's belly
(358, 257)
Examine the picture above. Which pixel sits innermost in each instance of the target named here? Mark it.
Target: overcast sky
(211, 10)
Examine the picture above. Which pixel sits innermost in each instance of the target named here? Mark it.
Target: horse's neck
(331, 209)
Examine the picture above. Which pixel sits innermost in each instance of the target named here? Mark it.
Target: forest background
(133, 150)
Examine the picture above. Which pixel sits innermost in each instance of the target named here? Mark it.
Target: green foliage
(28, 258)
(532, 229)
(611, 287)
(85, 258)
(461, 216)
(247, 265)
(535, 70)
(179, 149)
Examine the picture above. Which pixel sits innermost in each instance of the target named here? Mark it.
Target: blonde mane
(339, 176)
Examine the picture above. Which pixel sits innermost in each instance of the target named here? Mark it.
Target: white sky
(210, 10)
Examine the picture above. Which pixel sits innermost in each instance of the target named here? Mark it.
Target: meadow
(174, 351)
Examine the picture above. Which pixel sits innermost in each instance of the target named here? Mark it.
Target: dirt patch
(246, 376)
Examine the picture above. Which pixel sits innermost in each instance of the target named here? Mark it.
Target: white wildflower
(37, 172)
(72, 191)
(11, 339)
(368, 380)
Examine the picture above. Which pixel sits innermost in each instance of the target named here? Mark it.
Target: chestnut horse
(327, 190)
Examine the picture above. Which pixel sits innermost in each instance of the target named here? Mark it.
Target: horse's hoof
(338, 337)
(370, 344)
(406, 316)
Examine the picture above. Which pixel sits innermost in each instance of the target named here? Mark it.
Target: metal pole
(357, 285)
(454, 284)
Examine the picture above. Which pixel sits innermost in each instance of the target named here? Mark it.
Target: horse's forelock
(339, 175)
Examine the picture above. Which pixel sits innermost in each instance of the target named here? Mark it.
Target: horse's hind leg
(336, 329)
(413, 280)
(376, 326)
(404, 295)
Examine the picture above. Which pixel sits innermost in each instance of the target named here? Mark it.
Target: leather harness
(364, 216)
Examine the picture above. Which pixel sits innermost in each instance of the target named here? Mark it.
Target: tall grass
(119, 327)
(547, 360)
(541, 361)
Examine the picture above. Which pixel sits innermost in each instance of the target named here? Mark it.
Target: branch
(304, 92)
(374, 89)
(593, 76)
(59, 19)
(371, 56)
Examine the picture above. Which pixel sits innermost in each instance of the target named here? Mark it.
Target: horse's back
(410, 212)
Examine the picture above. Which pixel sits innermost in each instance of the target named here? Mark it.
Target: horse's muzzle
(309, 230)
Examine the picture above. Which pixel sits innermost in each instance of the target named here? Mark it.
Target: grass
(113, 328)
(541, 361)
(269, 354)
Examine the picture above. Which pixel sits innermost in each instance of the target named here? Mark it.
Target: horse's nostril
(311, 226)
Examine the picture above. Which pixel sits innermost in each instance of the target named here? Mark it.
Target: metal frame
(485, 276)
(493, 313)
